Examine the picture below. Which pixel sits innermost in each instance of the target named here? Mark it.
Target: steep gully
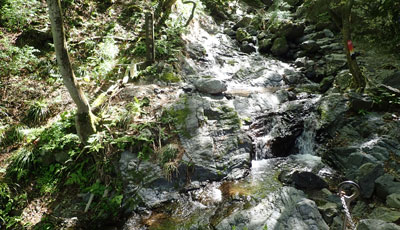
(248, 133)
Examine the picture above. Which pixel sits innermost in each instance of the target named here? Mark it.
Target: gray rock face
(385, 185)
(247, 47)
(328, 33)
(242, 35)
(360, 102)
(308, 181)
(280, 47)
(385, 214)
(283, 130)
(332, 109)
(366, 177)
(146, 181)
(244, 22)
(310, 46)
(61, 156)
(393, 80)
(215, 147)
(196, 51)
(265, 45)
(210, 85)
(393, 200)
(328, 211)
(335, 62)
(373, 224)
(285, 209)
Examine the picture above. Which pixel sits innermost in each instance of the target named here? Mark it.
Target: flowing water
(253, 81)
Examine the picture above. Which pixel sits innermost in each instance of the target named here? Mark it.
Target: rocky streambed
(268, 130)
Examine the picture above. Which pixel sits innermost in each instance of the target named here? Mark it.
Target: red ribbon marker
(351, 49)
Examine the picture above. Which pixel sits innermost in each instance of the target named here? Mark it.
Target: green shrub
(15, 60)
(168, 153)
(11, 134)
(9, 204)
(21, 162)
(37, 112)
(18, 14)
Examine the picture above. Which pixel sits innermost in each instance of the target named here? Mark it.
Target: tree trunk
(162, 13)
(359, 81)
(84, 117)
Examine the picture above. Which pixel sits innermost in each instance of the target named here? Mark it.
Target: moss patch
(170, 77)
(177, 116)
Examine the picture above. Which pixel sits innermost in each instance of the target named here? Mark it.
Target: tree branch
(192, 14)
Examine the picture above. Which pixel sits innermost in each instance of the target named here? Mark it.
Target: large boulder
(242, 35)
(310, 46)
(265, 45)
(247, 47)
(283, 130)
(343, 80)
(210, 85)
(293, 31)
(385, 214)
(393, 80)
(146, 181)
(366, 176)
(280, 47)
(308, 181)
(334, 63)
(373, 224)
(385, 185)
(215, 147)
(360, 102)
(242, 23)
(332, 109)
(285, 209)
(393, 200)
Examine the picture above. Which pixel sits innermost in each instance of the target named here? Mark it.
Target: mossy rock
(170, 77)
(265, 45)
(242, 35)
(343, 81)
(280, 47)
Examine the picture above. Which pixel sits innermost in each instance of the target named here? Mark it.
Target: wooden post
(150, 49)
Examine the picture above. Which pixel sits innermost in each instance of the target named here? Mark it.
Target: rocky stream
(269, 129)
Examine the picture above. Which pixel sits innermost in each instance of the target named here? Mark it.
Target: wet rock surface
(371, 224)
(259, 123)
(286, 208)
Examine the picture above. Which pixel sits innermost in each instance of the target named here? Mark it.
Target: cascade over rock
(254, 129)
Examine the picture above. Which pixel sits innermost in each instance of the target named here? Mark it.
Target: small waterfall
(306, 142)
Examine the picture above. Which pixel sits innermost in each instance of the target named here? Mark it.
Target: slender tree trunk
(84, 117)
(343, 22)
(359, 81)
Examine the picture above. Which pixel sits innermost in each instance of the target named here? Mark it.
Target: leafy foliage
(170, 43)
(15, 60)
(9, 203)
(11, 134)
(382, 21)
(17, 14)
(377, 22)
(101, 61)
(21, 163)
(37, 112)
